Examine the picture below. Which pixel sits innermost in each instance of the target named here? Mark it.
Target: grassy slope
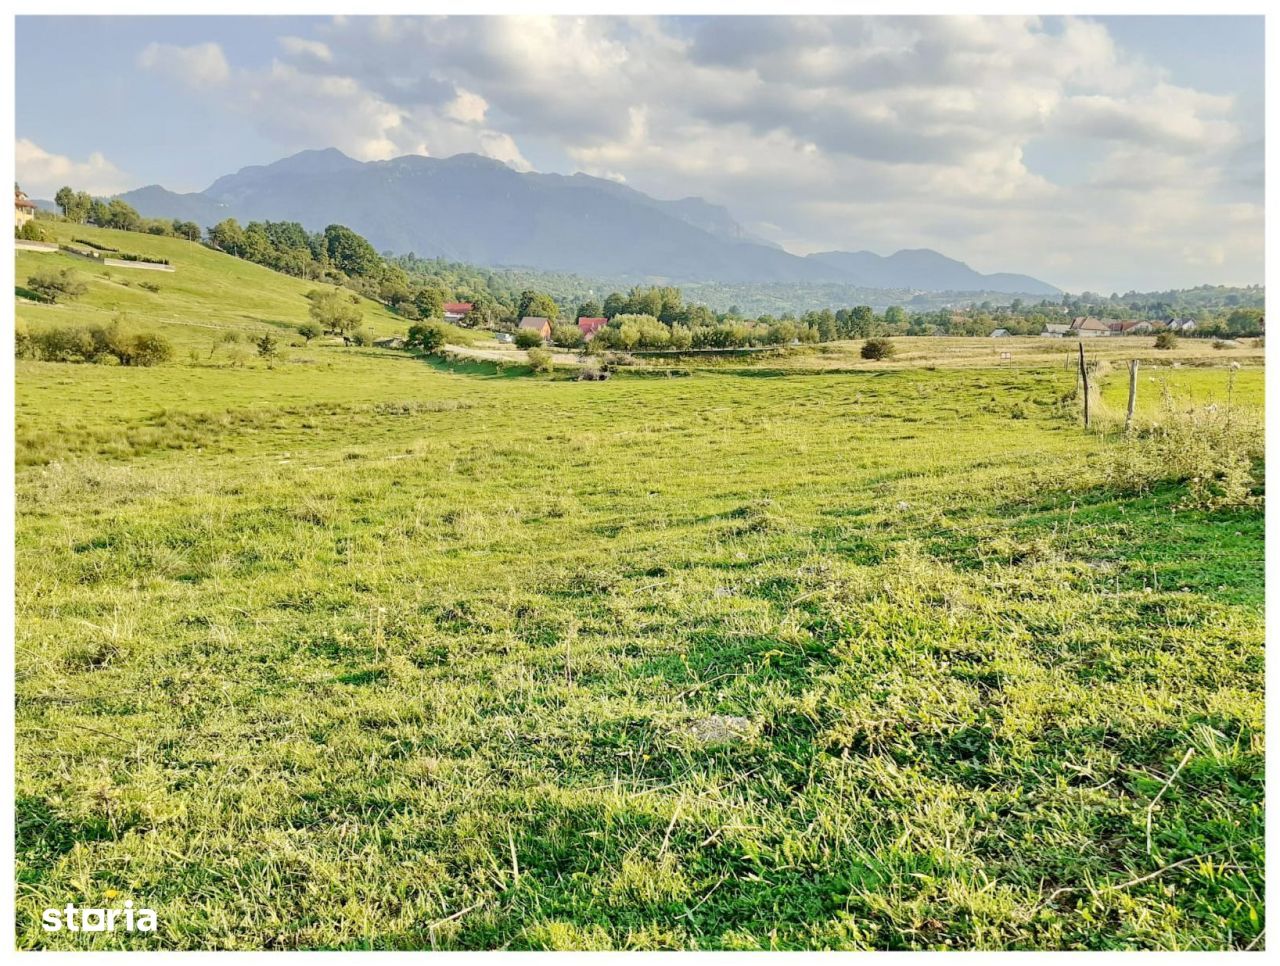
(207, 294)
(364, 652)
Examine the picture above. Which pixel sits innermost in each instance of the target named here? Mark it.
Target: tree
(350, 253)
(186, 229)
(861, 320)
(878, 349)
(590, 309)
(310, 330)
(614, 304)
(569, 336)
(54, 285)
(429, 336)
(429, 301)
(268, 348)
(227, 236)
(538, 305)
(65, 199)
(895, 316)
(338, 312)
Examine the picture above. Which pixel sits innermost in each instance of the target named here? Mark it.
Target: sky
(1096, 153)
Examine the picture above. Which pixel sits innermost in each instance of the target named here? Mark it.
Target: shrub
(1166, 340)
(54, 285)
(150, 349)
(114, 343)
(92, 244)
(149, 286)
(362, 337)
(310, 330)
(429, 336)
(878, 348)
(569, 336)
(1212, 449)
(32, 231)
(528, 339)
(268, 348)
(540, 360)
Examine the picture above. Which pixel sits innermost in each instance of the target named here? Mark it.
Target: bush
(310, 330)
(1166, 340)
(569, 336)
(115, 343)
(268, 348)
(429, 336)
(92, 244)
(362, 337)
(53, 284)
(540, 360)
(149, 286)
(1216, 451)
(150, 349)
(878, 349)
(528, 339)
(32, 231)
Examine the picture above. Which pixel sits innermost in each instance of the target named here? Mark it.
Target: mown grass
(207, 296)
(371, 653)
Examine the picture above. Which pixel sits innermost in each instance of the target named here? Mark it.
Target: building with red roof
(588, 325)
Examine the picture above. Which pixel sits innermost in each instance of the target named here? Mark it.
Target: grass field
(366, 651)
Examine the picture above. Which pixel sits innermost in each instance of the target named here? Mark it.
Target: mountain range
(474, 209)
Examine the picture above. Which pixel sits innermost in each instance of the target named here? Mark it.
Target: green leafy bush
(878, 348)
(1166, 340)
(528, 339)
(540, 360)
(429, 336)
(53, 285)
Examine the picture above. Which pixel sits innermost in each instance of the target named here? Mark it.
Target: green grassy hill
(365, 650)
(206, 294)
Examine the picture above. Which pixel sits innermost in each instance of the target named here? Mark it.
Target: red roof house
(456, 311)
(588, 325)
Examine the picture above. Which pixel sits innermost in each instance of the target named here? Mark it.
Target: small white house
(1000, 334)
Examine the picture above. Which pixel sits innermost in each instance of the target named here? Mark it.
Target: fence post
(1133, 395)
(1084, 377)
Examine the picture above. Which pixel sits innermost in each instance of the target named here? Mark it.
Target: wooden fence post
(1133, 395)
(1084, 377)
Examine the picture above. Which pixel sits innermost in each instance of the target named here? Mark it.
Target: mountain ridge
(475, 209)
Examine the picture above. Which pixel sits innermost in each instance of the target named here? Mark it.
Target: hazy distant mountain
(925, 269)
(474, 209)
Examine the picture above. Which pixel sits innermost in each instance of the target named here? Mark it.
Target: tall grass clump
(1215, 450)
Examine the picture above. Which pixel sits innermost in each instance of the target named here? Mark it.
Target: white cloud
(197, 65)
(845, 132)
(42, 173)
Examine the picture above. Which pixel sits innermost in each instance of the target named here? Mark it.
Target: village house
(24, 209)
(1130, 327)
(588, 325)
(1000, 334)
(1182, 325)
(1055, 330)
(537, 323)
(457, 311)
(1087, 327)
